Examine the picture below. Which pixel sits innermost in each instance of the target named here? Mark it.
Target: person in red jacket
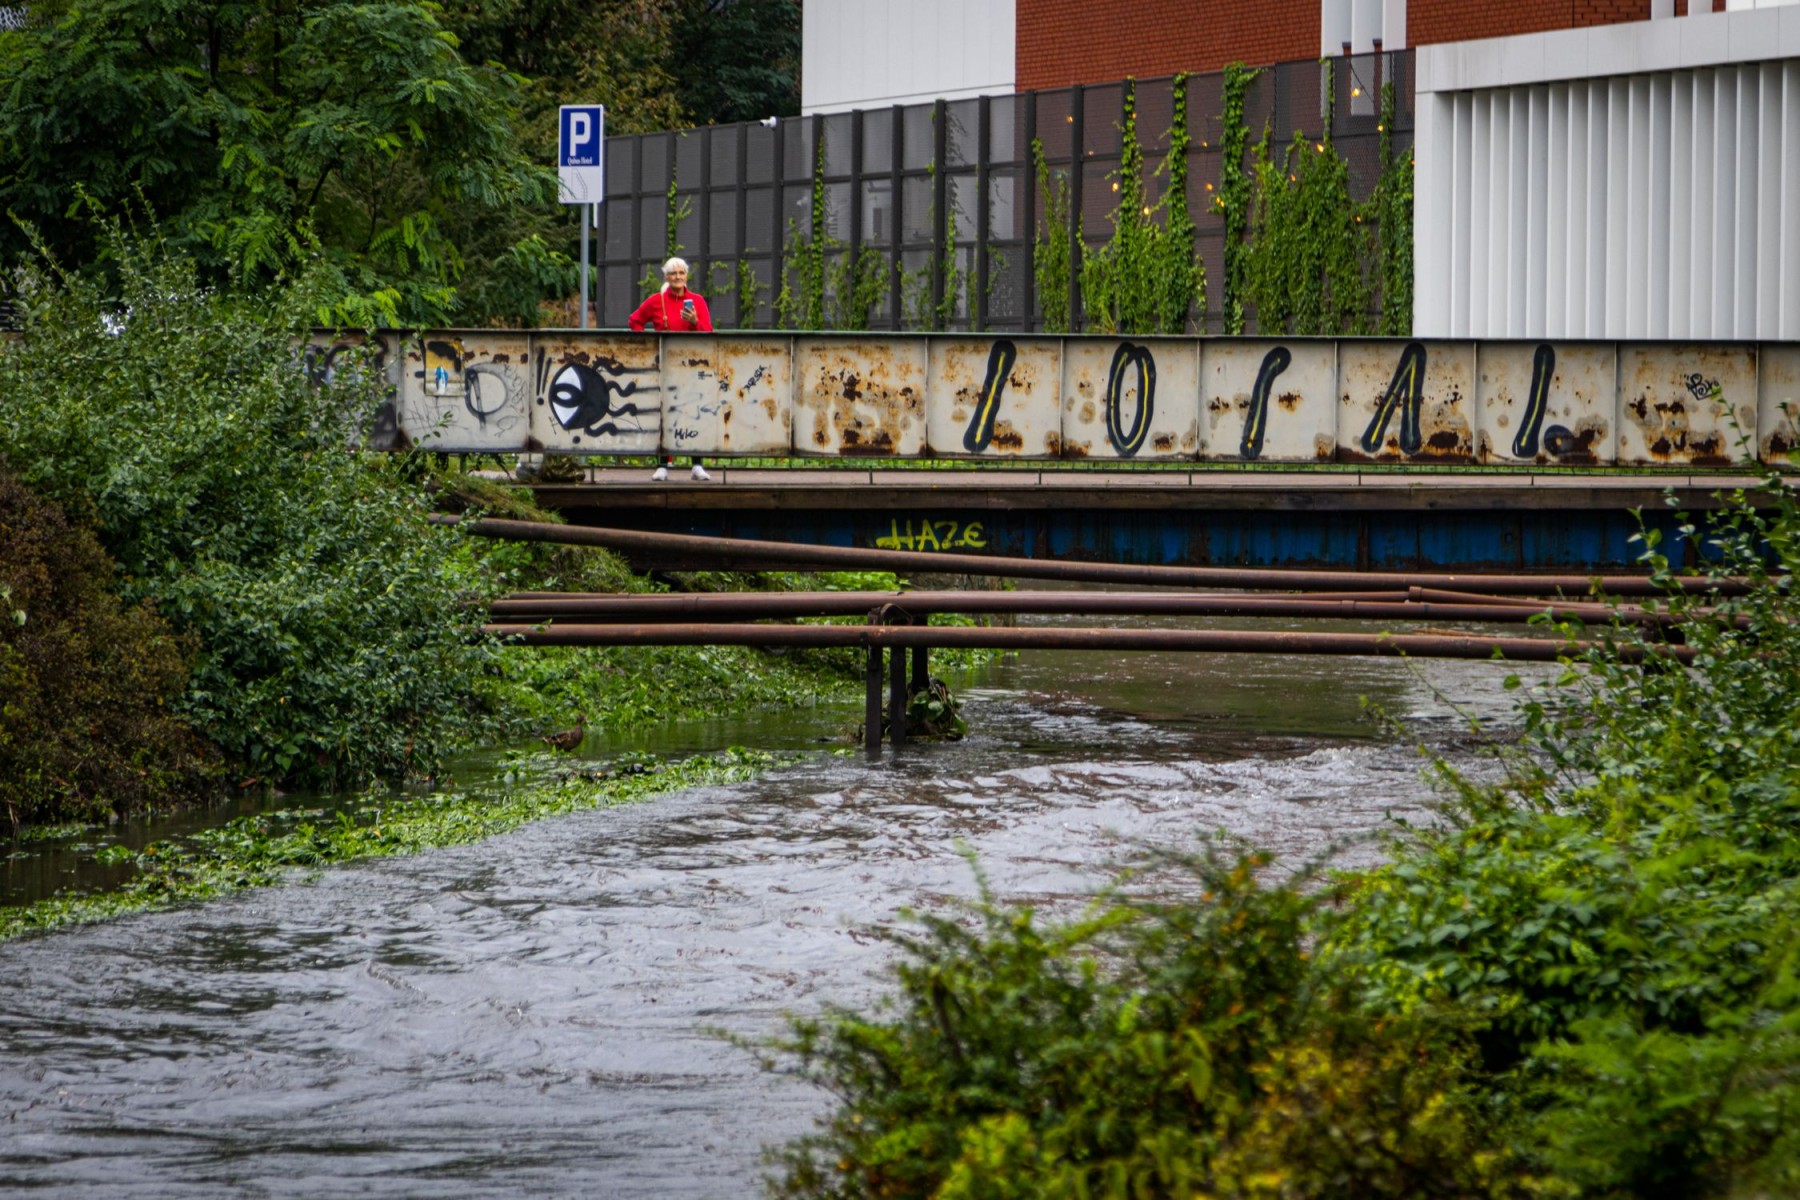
(674, 309)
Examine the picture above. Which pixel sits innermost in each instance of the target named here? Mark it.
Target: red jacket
(664, 314)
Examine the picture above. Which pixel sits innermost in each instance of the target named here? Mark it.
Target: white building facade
(1624, 181)
(874, 53)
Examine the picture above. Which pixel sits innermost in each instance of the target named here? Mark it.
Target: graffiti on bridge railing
(1083, 397)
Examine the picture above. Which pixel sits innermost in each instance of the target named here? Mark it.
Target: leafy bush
(86, 732)
(335, 641)
(1145, 1049)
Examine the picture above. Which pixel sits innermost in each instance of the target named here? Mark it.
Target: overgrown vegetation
(332, 633)
(1581, 982)
(1392, 210)
(1050, 250)
(1232, 201)
(831, 280)
(1304, 269)
(87, 683)
(1148, 277)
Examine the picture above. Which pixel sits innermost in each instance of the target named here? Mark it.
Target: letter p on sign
(581, 153)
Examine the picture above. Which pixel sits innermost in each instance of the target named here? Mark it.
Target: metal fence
(916, 180)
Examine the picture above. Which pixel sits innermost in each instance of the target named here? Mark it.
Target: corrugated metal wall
(1649, 204)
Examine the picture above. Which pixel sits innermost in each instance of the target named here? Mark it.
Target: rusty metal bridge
(1354, 452)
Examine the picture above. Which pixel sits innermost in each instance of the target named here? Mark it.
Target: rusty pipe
(829, 557)
(729, 606)
(1212, 641)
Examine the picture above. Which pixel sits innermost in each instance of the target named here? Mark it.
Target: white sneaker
(698, 474)
(660, 475)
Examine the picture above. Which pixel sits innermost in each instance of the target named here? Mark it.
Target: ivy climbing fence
(938, 217)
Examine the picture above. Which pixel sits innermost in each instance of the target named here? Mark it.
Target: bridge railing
(982, 396)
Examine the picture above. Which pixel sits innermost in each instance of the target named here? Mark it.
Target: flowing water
(543, 1013)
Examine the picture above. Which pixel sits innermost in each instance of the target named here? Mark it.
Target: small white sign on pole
(581, 153)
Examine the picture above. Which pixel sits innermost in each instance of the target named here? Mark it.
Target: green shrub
(334, 638)
(1146, 1049)
(86, 683)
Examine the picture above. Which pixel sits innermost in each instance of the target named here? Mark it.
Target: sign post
(581, 172)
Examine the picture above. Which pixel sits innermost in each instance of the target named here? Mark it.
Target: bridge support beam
(897, 697)
(872, 705)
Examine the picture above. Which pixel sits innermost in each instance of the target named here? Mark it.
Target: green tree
(736, 60)
(267, 136)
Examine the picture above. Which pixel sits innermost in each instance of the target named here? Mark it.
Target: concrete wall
(872, 53)
(1636, 181)
(1302, 400)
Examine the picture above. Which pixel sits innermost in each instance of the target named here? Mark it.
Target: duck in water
(568, 739)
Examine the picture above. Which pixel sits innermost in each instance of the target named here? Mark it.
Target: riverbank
(277, 847)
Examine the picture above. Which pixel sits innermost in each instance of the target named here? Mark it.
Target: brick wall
(1060, 42)
(1432, 21)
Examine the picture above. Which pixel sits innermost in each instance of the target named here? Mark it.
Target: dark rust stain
(1074, 450)
(852, 385)
(1053, 443)
(501, 358)
(1777, 445)
(1707, 452)
(696, 362)
(1447, 441)
(1575, 449)
(819, 437)
(1288, 400)
(1640, 406)
(1009, 439)
(1218, 404)
(1163, 442)
(1662, 447)
(880, 443)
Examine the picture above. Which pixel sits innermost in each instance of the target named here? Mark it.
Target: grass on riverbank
(273, 848)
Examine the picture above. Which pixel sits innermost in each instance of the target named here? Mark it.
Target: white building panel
(873, 53)
(1652, 190)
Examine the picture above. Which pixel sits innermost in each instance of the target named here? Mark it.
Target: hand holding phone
(688, 314)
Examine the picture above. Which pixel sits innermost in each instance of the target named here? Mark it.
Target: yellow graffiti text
(932, 535)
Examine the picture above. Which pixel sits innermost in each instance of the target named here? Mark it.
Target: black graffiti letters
(582, 399)
(1125, 359)
(1256, 421)
(987, 406)
(1700, 387)
(1405, 391)
(1537, 402)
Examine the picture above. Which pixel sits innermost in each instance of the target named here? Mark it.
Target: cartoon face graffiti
(582, 399)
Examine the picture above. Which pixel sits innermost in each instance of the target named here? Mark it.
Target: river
(542, 1013)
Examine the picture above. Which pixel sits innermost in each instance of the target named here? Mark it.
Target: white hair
(673, 263)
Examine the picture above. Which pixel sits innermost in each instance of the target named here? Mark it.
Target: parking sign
(581, 153)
